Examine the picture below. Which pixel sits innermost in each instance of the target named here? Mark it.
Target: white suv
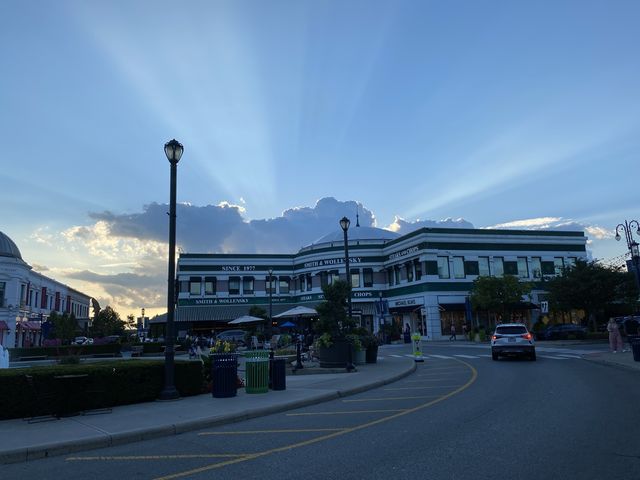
(512, 339)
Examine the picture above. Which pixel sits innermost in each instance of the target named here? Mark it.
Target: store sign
(407, 302)
(238, 268)
(331, 261)
(404, 253)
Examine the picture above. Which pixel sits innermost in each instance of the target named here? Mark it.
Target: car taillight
(495, 337)
(527, 336)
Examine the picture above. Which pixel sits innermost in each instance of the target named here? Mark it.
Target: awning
(28, 325)
(214, 313)
(365, 308)
(246, 319)
(298, 311)
(452, 307)
(3, 325)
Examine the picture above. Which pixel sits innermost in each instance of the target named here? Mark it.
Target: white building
(27, 298)
(421, 279)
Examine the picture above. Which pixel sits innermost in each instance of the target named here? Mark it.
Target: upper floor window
(396, 274)
(270, 284)
(390, 276)
(234, 285)
(285, 284)
(409, 267)
(367, 277)
(570, 262)
(418, 268)
(536, 267)
(355, 277)
(458, 267)
(247, 285)
(498, 266)
(558, 265)
(523, 267)
(443, 267)
(209, 285)
(195, 284)
(309, 282)
(483, 267)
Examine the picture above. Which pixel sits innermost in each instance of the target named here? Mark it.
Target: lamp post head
(173, 150)
(344, 223)
(617, 236)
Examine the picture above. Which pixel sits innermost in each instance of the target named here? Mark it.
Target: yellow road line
(322, 438)
(159, 457)
(422, 388)
(343, 413)
(251, 432)
(389, 398)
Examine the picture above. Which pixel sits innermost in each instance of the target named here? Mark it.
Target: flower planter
(335, 356)
(359, 357)
(371, 354)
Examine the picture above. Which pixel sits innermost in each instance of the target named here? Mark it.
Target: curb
(121, 438)
(608, 363)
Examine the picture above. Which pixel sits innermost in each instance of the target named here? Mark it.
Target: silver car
(512, 339)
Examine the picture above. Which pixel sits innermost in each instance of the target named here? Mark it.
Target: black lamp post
(173, 150)
(270, 326)
(344, 223)
(632, 245)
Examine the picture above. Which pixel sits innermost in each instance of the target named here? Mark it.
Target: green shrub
(65, 351)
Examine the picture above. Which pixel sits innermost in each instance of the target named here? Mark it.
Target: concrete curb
(608, 363)
(102, 440)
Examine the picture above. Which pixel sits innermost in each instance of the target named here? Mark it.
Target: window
(270, 284)
(571, 262)
(396, 274)
(234, 285)
(443, 267)
(409, 267)
(498, 266)
(558, 265)
(355, 277)
(390, 276)
(536, 267)
(194, 285)
(209, 285)
(247, 285)
(523, 267)
(418, 268)
(483, 267)
(471, 267)
(309, 282)
(458, 267)
(285, 284)
(324, 279)
(2, 288)
(510, 267)
(431, 267)
(367, 277)
(547, 268)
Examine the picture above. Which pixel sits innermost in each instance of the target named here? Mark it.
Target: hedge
(108, 384)
(64, 351)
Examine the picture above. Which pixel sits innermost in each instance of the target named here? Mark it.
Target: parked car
(512, 339)
(236, 336)
(562, 331)
(83, 341)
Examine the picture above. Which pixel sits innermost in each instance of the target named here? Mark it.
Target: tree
(256, 311)
(498, 295)
(107, 323)
(591, 287)
(64, 326)
(332, 312)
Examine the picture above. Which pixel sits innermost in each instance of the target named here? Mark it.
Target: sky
(471, 113)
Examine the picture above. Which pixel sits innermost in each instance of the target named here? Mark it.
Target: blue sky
(506, 113)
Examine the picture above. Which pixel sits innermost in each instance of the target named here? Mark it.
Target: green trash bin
(257, 371)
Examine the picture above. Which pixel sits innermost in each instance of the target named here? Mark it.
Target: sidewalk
(620, 359)
(22, 441)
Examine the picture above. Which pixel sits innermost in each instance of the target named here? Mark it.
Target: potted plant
(370, 343)
(333, 325)
(357, 348)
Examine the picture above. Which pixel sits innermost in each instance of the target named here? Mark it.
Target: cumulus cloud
(401, 226)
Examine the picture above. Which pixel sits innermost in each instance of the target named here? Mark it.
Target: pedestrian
(453, 332)
(615, 339)
(464, 330)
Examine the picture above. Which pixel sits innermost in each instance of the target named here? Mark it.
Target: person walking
(615, 339)
(453, 332)
(465, 330)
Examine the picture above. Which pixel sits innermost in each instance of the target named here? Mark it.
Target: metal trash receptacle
(278, 374)
(635, 347)
(224, 375)
(257, 371)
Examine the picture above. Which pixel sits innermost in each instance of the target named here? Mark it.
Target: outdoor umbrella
(288, 324)
(246, 319)
(298, 311)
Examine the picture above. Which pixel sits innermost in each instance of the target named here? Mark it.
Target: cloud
(399, 225)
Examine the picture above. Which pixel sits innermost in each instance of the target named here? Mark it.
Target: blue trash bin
(224, 374)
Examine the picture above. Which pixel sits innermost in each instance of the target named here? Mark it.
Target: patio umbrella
(298, 311)
(288, 324)
(246, 319)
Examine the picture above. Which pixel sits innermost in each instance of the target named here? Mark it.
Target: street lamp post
(344, 223)
(270, 326)
(173, 150)
(632, 245)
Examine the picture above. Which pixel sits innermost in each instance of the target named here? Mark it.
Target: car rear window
(513, 330)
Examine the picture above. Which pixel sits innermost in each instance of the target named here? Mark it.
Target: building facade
(27, 298)
(421, 279)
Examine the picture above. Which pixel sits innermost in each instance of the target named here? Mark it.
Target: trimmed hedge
(64, 351)
(108, 384)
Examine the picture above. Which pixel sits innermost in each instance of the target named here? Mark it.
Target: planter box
(335, 356)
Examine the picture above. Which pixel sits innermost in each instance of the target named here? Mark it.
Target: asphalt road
(464, 417)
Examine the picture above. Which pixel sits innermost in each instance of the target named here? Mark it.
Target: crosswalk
(555, 356)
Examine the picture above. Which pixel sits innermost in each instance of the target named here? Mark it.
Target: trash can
(224, 375)
(257, 371)
(278, 374)
(635, 347)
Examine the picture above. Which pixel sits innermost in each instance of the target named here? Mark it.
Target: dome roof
(357, 233)
(8, 248)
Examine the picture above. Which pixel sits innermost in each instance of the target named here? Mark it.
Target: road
(459, 416)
